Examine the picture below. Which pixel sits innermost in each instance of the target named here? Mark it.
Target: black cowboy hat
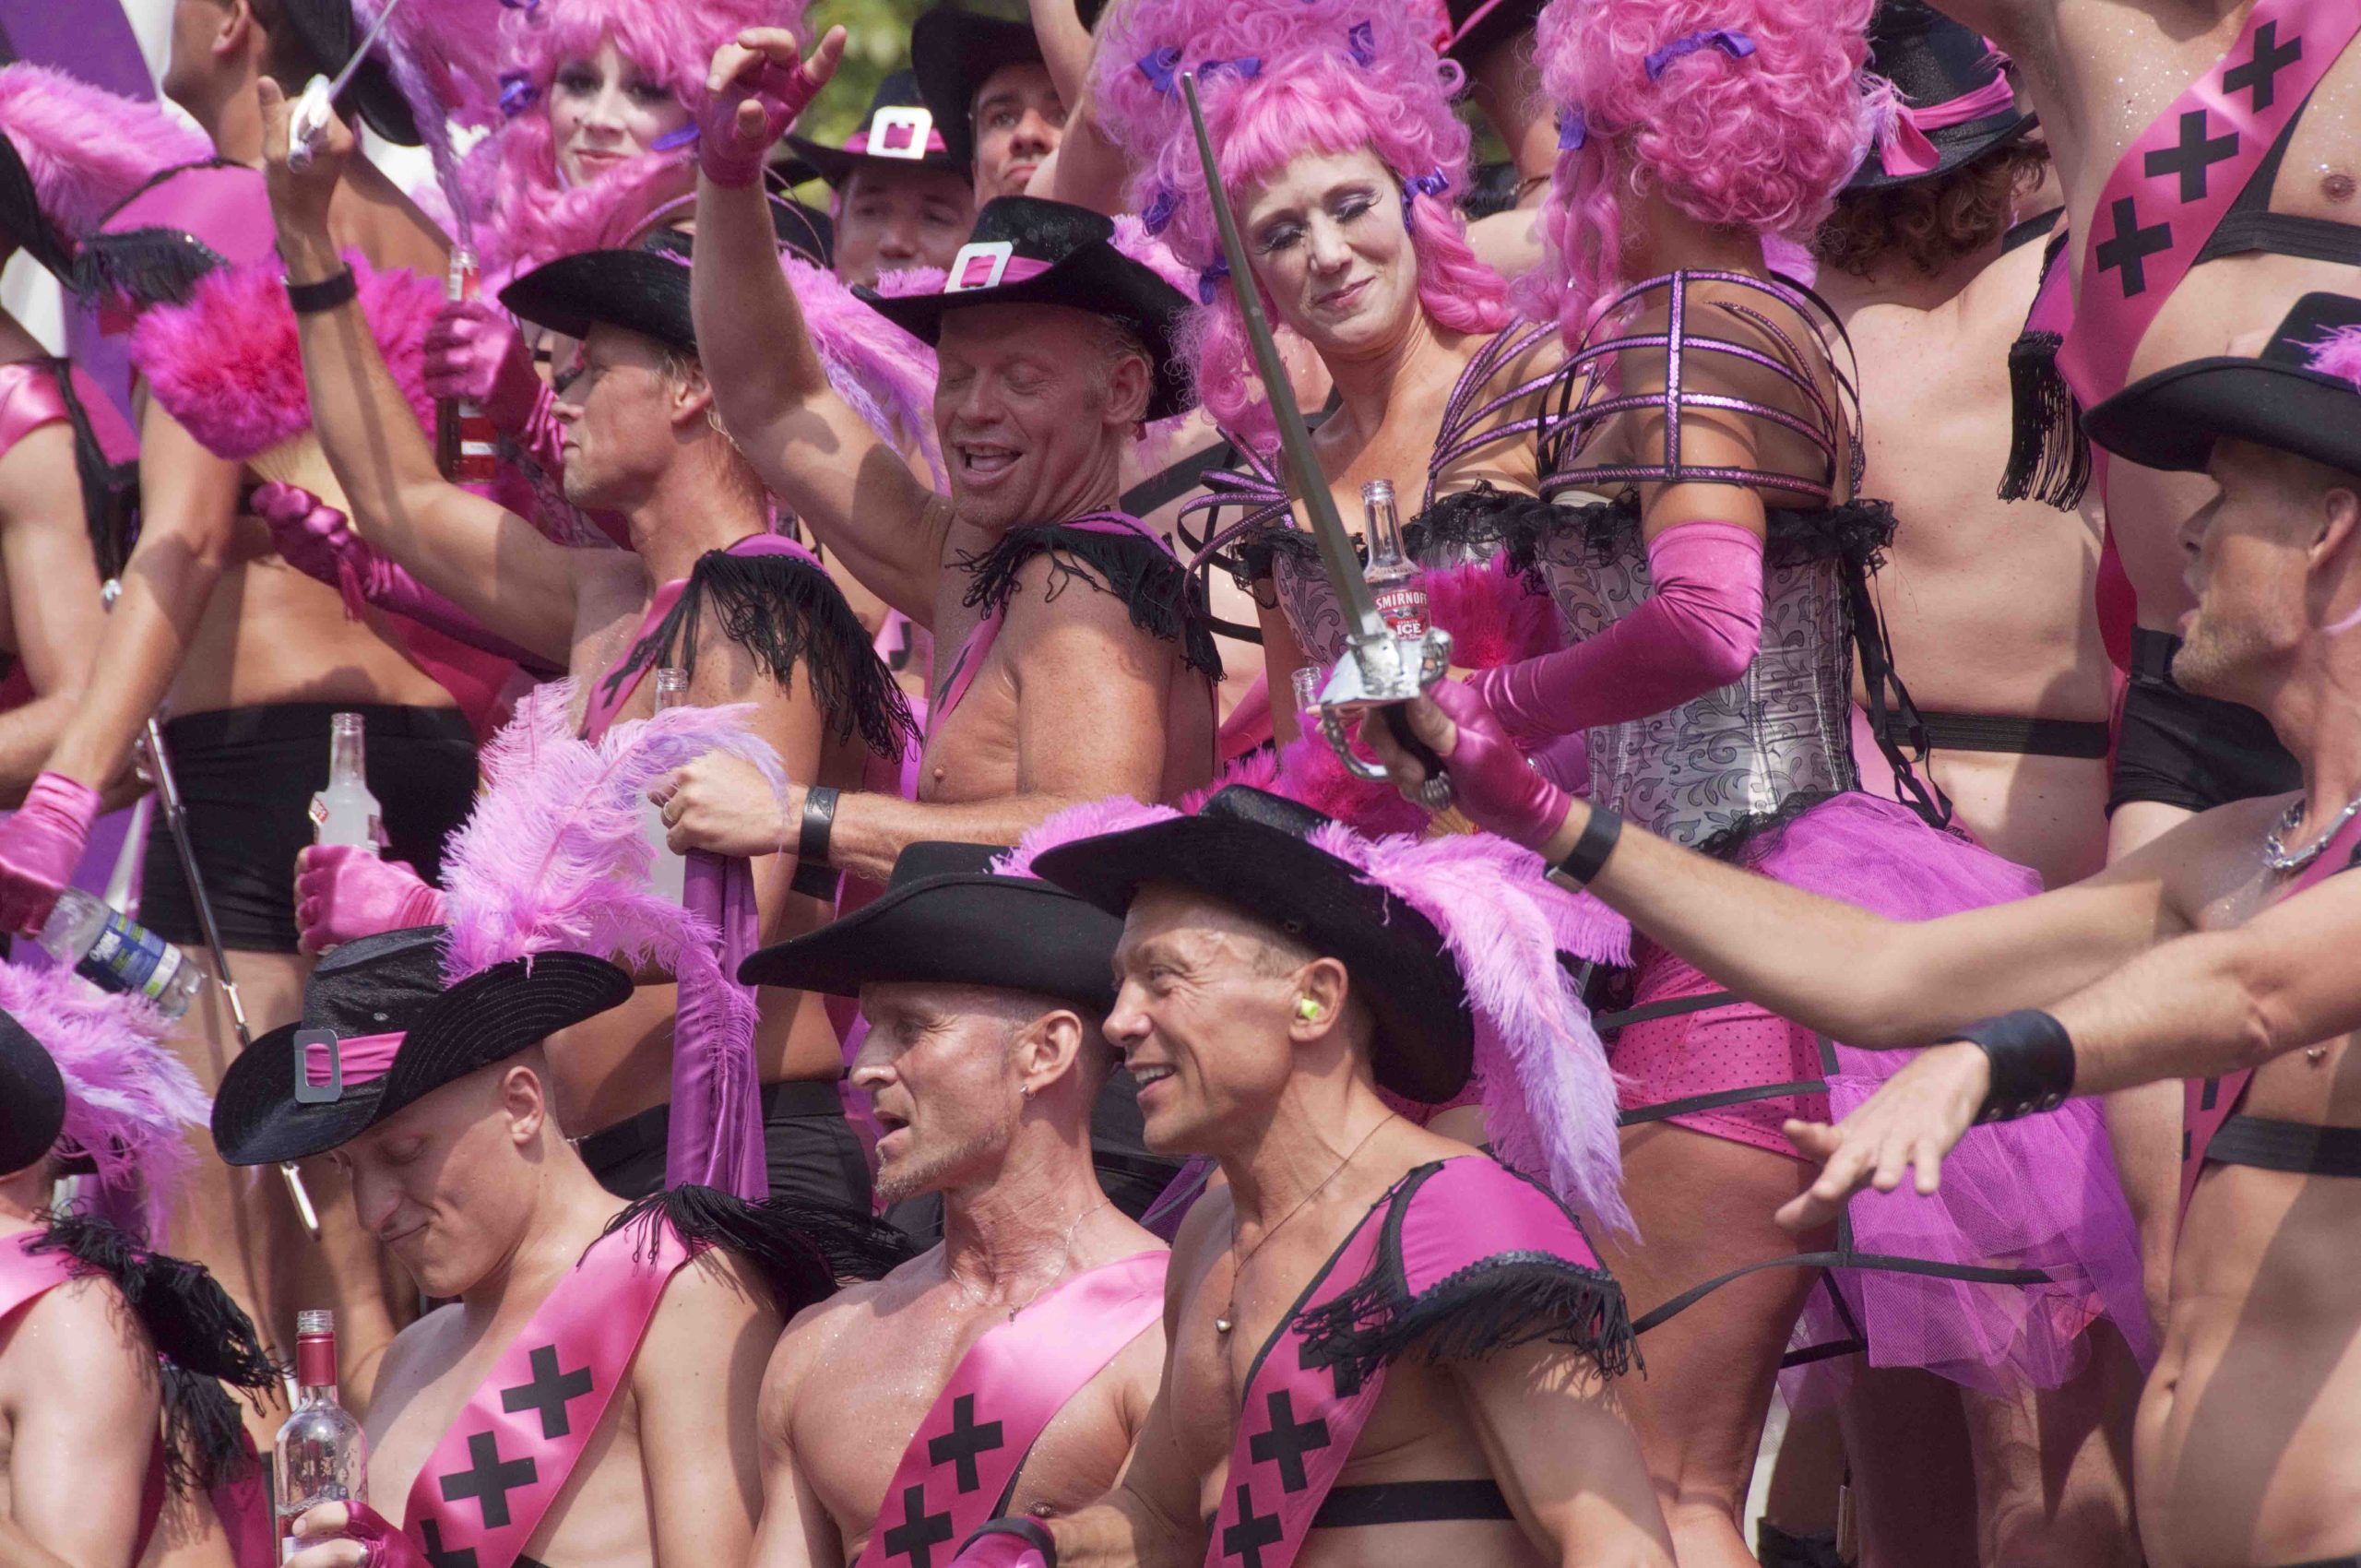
(32, 1097)
(1080, 268)
(2171, 420)
(1248, 849)
(1478, 26)
(643, 290)
(946, 918)
(328, 33)
(954, 53)
(1931, 59)
(898, 132)
(393, 985)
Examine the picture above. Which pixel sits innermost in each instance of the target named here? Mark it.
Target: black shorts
(2191, 752)
(247, 776)
(811, 1151)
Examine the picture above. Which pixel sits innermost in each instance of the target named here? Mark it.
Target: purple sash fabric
(2209, 1103)
(2172, 187)
(1463, 1248)
(499, 1466)
(1004, 1390)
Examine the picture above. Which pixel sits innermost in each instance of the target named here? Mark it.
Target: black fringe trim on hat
(803, 1251)
(1504, 1301)
(1153, 586)
(2049, 455)
(205, 1340)
(784, 611)
(143, 266)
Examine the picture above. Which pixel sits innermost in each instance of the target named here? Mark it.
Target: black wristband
(1032, 1532)
(1588, 857)
(304, 299)
(819, 822)
(2033, 1063)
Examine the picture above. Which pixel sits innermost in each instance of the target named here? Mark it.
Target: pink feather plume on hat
(88, 149)
(2339, 355)
(886, 374)
(1116, 814)
(129, 1100)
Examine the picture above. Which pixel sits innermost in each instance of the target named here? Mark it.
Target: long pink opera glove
(474, 353)
(722, 155)
(344, 891)
(1699, 628)
(40, 847)
(385, 1544)
(1491, 779)
(317, 541)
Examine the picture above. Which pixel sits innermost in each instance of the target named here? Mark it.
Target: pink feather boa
(88, 149)
(227, 366)
(1492, 617)
(129, 1100)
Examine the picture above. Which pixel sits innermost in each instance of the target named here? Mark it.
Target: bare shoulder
(714, 1288)
(81, 1343)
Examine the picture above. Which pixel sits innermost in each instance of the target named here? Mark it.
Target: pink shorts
(1733, 1047)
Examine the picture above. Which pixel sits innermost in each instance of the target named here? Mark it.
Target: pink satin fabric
(364, 1058)
(1904, 150)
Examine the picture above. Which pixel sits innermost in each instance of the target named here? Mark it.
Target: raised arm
(813, 452)
(55, 616)
(1565, 1457)
(491, 563)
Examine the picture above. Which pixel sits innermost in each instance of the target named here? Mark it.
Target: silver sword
(168, 796)
(1381, 671)
(309, 121)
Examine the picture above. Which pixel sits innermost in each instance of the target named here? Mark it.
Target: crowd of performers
(1858, 921)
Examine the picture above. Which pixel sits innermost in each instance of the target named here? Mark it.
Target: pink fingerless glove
(344, 891)
(40, 847)
(385, 1544)
(724, 157)
(1699, 628)
(474, 353)
(1009, 1543)
(1490, 780)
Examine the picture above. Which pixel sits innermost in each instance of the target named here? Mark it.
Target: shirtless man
(641, 442)
(2220, 948)
(588, 1396)
(1041, 1310)
(992, 95)
(1263, 1045)
(250, 657)
(1072, 660)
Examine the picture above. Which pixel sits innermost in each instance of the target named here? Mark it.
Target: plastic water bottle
(668, 872)
(115, 953)
(346, 813)
(1393, 580)
(321, 1454)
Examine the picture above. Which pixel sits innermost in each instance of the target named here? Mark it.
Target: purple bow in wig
(1433, 183)
(522, 4)
(1160, 208)
(672, 140)
(1729, 41)
(1162, 68)
(1207, 277)
(1573, 133)
(1360, 42)
(518, 92)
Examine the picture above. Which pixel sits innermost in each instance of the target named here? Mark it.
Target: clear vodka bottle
(321, 1454)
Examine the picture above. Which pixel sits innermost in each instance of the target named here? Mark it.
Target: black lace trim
(1156, 589)
(1856, 532)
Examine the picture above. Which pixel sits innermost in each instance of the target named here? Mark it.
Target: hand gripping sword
(1380, 670)
(168, 796)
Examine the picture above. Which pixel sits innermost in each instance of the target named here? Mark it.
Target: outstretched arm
(491, 563)
(813, 452)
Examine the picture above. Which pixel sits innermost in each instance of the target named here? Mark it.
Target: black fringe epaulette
(144, 267)
(1154, 588)
(802, 1250)
(784, 611)
(1508, 1300)
(205, 1341)
(2049, 455)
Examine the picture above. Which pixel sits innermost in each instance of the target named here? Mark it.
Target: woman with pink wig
(1341, 156)
(1710, 556)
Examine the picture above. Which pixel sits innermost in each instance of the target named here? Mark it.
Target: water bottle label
(125, 957)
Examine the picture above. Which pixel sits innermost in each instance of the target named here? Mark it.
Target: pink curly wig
(512, 178)
(1322, 76)
(88, 149)
(1761, 140)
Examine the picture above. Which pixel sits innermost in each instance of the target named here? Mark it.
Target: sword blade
(1363, 624)
(367, 41)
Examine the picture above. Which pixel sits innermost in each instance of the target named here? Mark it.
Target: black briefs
(2299, 1147)
(811, 1150)
(2191, 752)
(1410, 1502)
(1989, 733)
(247, 776)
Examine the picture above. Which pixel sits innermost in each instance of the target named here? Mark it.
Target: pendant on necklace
(1223, 1325)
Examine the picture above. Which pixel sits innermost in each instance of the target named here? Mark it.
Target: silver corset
(1309, 605)
(1781, 729)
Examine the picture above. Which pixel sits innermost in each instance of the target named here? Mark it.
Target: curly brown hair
(1931, 222)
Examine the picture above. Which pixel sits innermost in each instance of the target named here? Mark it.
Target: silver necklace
(1228, 1319)
(2277, 857)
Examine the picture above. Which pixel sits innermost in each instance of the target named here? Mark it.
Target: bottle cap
(319, 1320)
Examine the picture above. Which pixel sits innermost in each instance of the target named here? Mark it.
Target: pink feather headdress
(129, 1100)
(88, 149)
